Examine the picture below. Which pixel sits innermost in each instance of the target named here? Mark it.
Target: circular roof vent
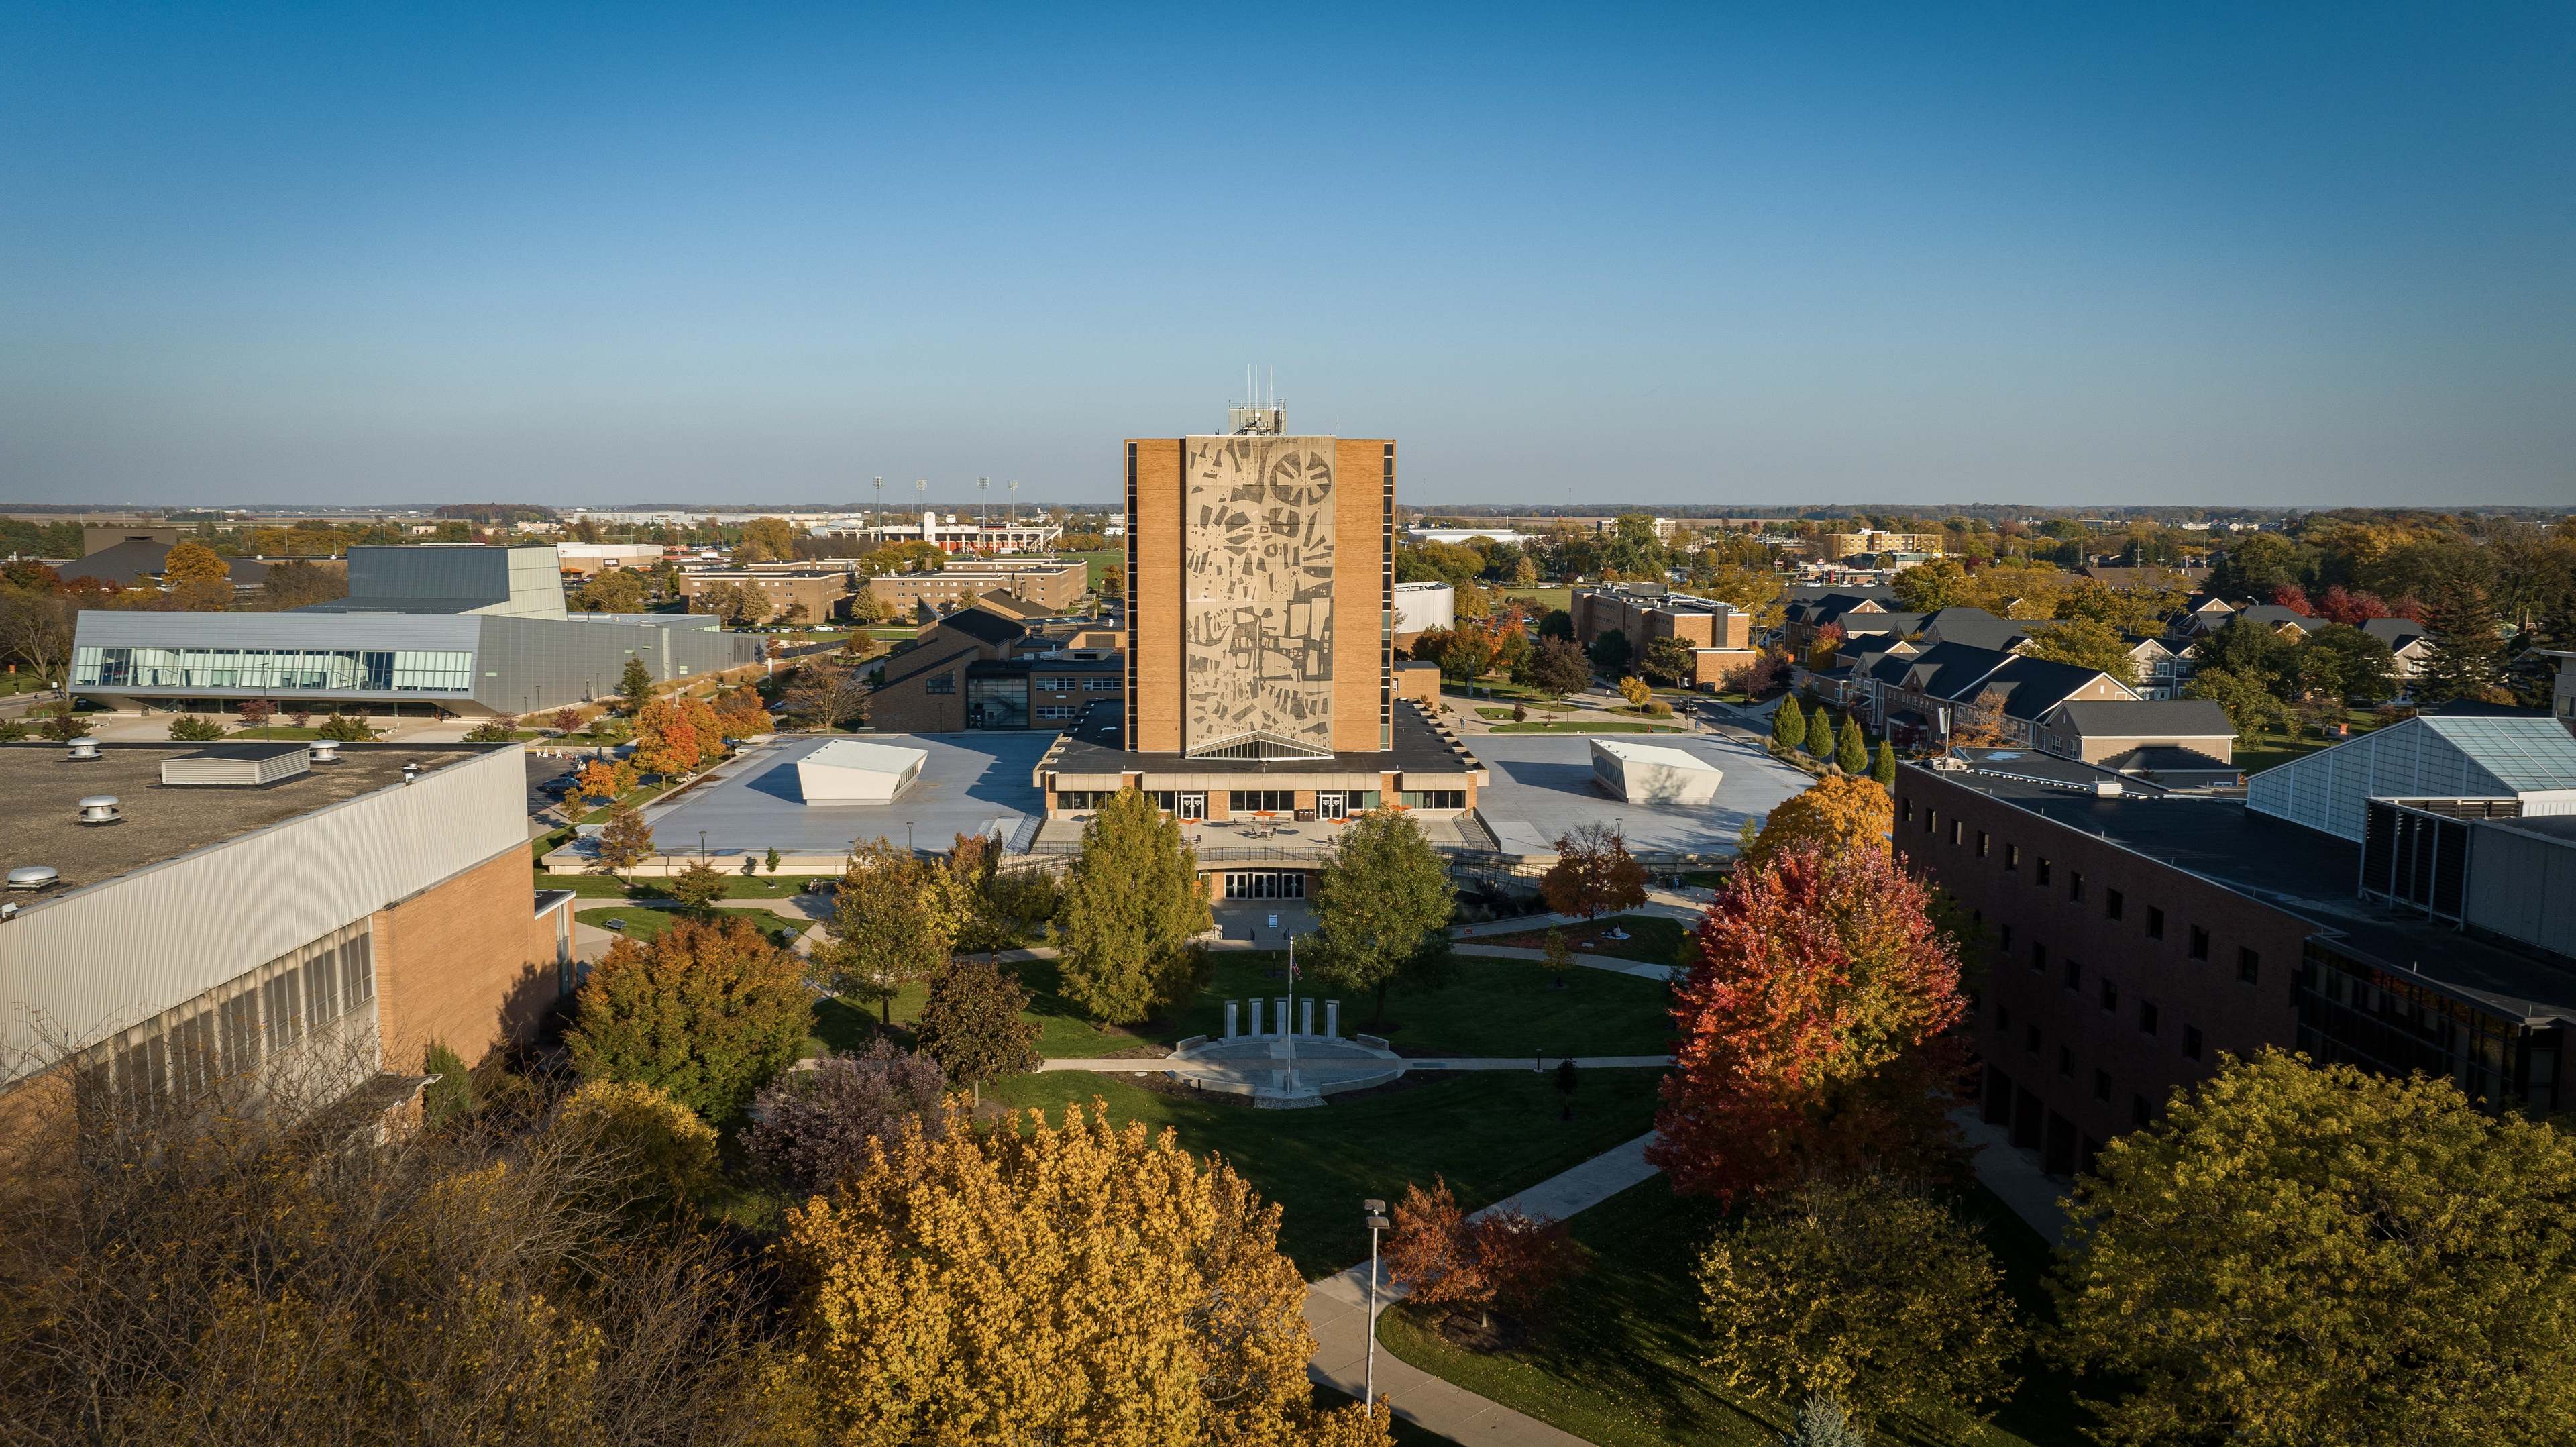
(99, 809)
(323, 751)
(34, 876)
(83, 748)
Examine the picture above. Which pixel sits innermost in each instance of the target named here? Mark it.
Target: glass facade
(233, 1030)
(277, 670)
(2396, 1023)
(997, 703)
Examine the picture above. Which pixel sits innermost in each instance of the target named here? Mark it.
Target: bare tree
(827, 695)
(36, 630)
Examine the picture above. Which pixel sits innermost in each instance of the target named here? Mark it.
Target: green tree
(895, 917)
(2083, 643)
(1468, 656)
(1822, 1422)
(1382, 905)
(2467, 646)
(709, 1012)
(1558, 668)
(2250, 705)
(1851, 752)
(1788, 726)
(1930, 587)
(1863, 1291)
(1670, 661)
(698, 885)
(974, 1024)
(2397, 1266)
(1820, 735)
(2256, 565)
(1610, 652)
(1884, 771)
(2346, 664)
(612, 590)
(636, 684)
(1132, 909)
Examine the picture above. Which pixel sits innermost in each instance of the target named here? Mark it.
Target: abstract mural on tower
(1258, 587)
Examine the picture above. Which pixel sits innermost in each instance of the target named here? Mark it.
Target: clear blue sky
(2054, 253)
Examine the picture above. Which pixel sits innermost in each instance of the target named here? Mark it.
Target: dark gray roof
(2395, 632)
(2167, 760)
(924, 659)
(134, 564)
(2299, 870)
(1973, 626)
(985, 626)
(2173, 718)
(1944, 670)
(2273, 615)
(1857, 625)
(2033, 686)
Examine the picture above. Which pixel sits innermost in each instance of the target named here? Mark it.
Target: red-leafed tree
(1813, 1030)
(2294, 598)
(2339, 604)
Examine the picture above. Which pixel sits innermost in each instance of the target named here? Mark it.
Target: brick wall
(1154, 626)
(465, 962)
(2052, 1103)
(1359, 592)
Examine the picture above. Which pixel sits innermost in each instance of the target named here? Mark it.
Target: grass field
(1620, 1364)
(639, 922)
(1492, 1007)
(1099, 559)
(1489, 1134)
(1548, 598)
(1653, 938)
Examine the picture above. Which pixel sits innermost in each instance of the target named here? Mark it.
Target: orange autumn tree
(710, 731)
(1813, 1029)
(664, 741)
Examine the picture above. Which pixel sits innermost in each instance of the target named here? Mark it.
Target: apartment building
(1837, 546)
(1720, 635)
(1055, 585)
(821, 592)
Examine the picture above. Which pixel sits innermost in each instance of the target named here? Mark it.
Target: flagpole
(1288, 1022)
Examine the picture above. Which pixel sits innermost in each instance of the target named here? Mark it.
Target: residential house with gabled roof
(2407, 640)
(2179, 743)
(1927, 696)
(1975, 627)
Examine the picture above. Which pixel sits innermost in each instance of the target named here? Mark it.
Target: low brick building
(823, 592)
(336, 921)
(1720, 635)
(1055, 585)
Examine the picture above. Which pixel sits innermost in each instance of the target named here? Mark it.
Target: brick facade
(465, 962)
(2044, 894)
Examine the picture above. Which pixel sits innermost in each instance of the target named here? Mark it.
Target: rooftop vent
(99, 809)
(323, 751)
(235, 764)
(34, 876)
(82, 749)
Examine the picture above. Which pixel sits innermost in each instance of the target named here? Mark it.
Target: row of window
(1076, 683)
(1266, 884)
(178, 1054)
(2141, 1110)
(1058, 712)
(275, 670)
(1435, 798)
(2249, 962)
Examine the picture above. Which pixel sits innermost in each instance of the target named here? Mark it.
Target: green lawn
(1505, 713)
(1547, 598)
(1653, 938)
(737, 886)
(14, 683)
(1494, 1007)
(1619, 1364)
(1490, 1134)
(1603, 726)
(277, 731)
(642, 923)
(1099, 559)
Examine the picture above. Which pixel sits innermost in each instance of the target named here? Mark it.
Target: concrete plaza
(972, 783)
(1542, 786)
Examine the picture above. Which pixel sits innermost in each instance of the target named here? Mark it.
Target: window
(2038, 957)
(2041, 875)
(1057, 711)
(1260, 801)
(2065, 1061)
(1100, 685)
(2074, 975)
(2110, 997)
(1057, 684)
(1954, 831)
(2012, 858)
(944, 683)
(285, 1019)
(2003, 1017)
(2155, 923)
(2199, 943)
(1981, 844)
(1266, 884)
(2111, 904)
(2249, 965)
(1435, 798)
(2003, 939)
(321, 990)
(2191, 1042)
(2140, 1113)
(2101, 1085)
(357, 972)
(1909, 810)
(2030, 1038)
(2146, 1017)
(1931, 820)
(2075, 886)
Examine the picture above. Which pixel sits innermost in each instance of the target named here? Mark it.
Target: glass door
(1193, 806)
(1331, 806)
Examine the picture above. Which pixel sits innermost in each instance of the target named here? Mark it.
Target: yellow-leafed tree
(1067, 1283)
(1838, 811)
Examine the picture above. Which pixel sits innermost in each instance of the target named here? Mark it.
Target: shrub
(971, 1024)
(346, 729)
(494, 730)
(451, 1095)
(661, 1149)
(815, 1125)
(63, 725)
(11, 731)
(195, 729)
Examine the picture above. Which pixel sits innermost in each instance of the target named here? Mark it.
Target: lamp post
(1375, 1212)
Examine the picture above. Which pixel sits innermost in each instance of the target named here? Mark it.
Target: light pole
(1288, 1017)
(1375, 1211)
(878, 517)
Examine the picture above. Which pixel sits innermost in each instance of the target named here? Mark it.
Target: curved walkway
(1337, 1312)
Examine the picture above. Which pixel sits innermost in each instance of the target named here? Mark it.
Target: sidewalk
(1337, 1313)
(1140, 1064)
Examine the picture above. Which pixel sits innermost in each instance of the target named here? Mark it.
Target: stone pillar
(1306, 1016)
(1233, 1013)
(1282, 1003)
(1333, 1018)
(1256, 1014)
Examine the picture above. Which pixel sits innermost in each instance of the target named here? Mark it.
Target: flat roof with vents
(163, 821)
